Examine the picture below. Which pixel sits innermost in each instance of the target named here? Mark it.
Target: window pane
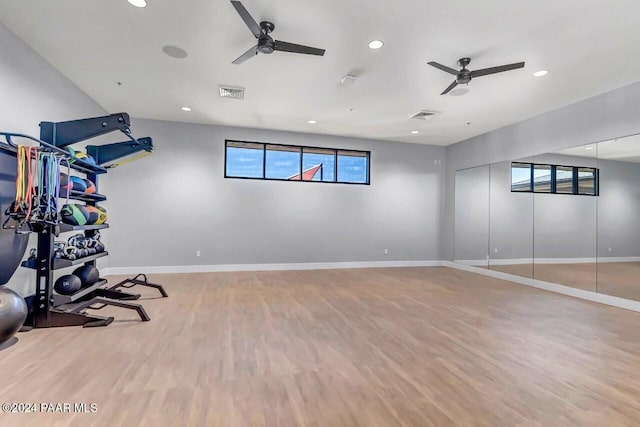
(244, 159)
(586, 181)
(282, 162)
(353, 167)
(318, 164)
(542, 178)
(564, 180)
(520, 177)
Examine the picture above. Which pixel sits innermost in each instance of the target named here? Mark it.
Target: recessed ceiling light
(588, 148)
(541, 73)
(375, 44)
(138, 3)
(175, 52)
(312, 122)
(415, 131)
(186, 109)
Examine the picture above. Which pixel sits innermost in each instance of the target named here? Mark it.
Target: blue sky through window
(246, 160)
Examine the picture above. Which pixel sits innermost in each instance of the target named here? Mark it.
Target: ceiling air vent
(424, 115)
(232, 92)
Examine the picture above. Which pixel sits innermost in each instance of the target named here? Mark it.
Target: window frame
(553, 171)
(367, 155)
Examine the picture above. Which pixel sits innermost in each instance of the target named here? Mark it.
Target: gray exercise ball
(13, 312)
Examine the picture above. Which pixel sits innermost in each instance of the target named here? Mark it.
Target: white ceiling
(589, 46)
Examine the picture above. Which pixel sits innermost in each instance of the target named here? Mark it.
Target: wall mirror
(618, 235)
(471, 231)
(511, 218)
(571, 217)
(565, 189)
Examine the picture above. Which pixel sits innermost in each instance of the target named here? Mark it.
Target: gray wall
(167, 206)
(472, 215)
(31, 91)
(613, 114)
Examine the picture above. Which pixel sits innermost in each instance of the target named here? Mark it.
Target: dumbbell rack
(52, 309)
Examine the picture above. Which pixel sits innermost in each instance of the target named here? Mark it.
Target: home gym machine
(52, 309)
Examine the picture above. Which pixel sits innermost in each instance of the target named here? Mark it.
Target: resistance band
(26, 179)
(48, 187)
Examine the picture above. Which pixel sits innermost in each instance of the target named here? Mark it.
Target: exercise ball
(85, 157)
(65, 184)
(74, 214)
(87, 274)
(79, 184)
(13, 312)
(67, 284)
(90, 186)
(93, 213)
(97, 215)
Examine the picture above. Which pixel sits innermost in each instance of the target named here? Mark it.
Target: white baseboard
(553, 287)
(164, 269)
(516, 261)
(619, 259)
(587, 260)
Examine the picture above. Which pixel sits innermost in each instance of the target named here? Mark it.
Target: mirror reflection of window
(586, 181)
(564, 180)
(520, 177)
(542, 178)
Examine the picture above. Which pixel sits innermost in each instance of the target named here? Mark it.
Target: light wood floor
(371, 347)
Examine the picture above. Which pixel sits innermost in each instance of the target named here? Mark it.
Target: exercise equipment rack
(51, 309)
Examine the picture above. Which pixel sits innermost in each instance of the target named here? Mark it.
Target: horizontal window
(520, 177)
(542, 178)
(564, 179)
(555, 179)
(295, 163)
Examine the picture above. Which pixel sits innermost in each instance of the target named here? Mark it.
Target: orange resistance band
(26, 178)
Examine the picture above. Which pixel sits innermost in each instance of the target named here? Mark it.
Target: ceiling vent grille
(232, 92)
(424, 115)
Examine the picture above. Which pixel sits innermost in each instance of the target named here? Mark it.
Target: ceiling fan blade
(444, 68)
(493, 70)
(247, 18)
(248, 54)
(297, 48)
(451, 86)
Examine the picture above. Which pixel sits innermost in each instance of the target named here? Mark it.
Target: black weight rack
(52, 309)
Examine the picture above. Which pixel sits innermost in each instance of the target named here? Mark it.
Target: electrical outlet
(386, 251)
(197, 254)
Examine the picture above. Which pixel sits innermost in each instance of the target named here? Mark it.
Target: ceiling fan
(464, 76)
(266, 44)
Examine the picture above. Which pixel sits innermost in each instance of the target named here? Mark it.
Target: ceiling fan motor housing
(463, 77)
(266, 45)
